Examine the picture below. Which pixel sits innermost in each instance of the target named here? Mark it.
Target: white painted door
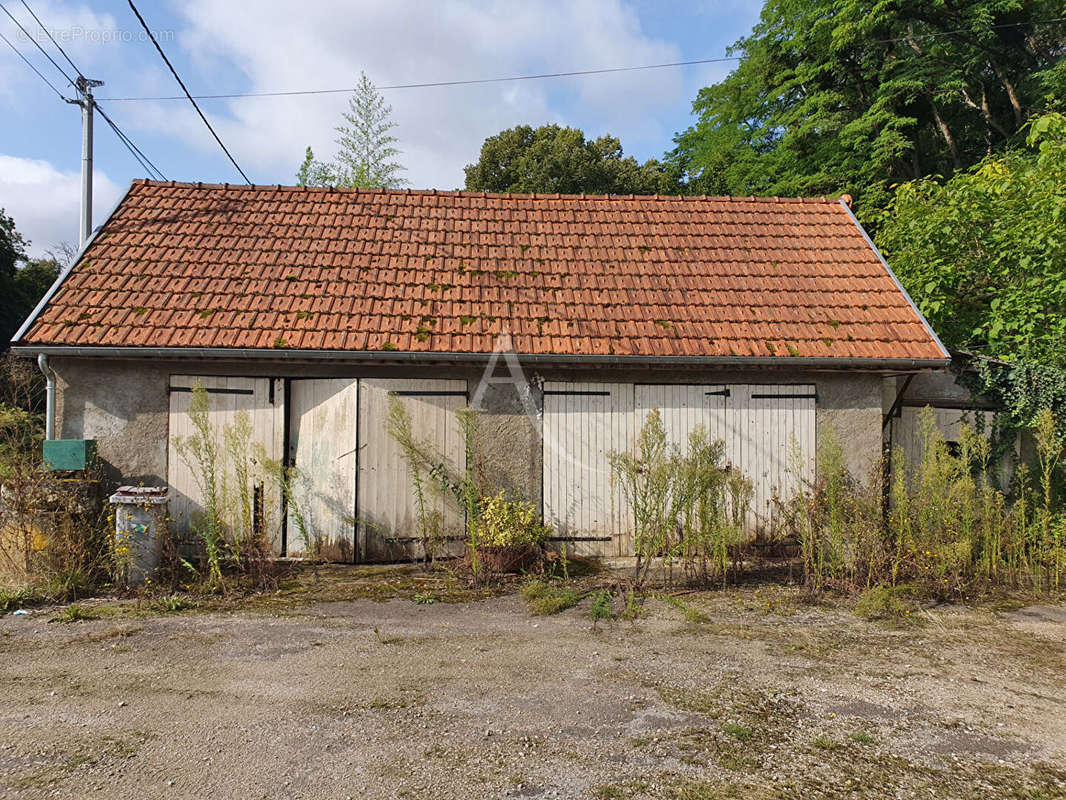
(768, 431)
(322, 442)
(683, 408)
(773, 443)
(230, 401)
(388, 528)
(583, 422)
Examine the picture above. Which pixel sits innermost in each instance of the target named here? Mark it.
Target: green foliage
(74, 613)
(837, 523)
(862, 737)
(543, 598)
(22, 282)
(852, 96)
(600, 608)
(509, 523)
(367, 152)
(171, 604)
(690, 613)
(688, 506)
(54, 538)
(948, 531)
(201, 453)
(1020, 390)
(984, 253)
(634, 608)
(12, 599)
(553, 159)
(738, 732)
(883, 602)
(398, 426)
(21, 435)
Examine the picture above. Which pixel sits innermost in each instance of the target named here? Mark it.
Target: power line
(184, 89)
(50, 37)
(434, 84)
(30, 65)
(37, 44)
(545, 75)
(138, 155)
(152, 170)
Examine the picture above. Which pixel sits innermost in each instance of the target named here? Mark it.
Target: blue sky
(225, 46)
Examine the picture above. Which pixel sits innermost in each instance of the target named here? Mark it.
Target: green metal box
(69, 454)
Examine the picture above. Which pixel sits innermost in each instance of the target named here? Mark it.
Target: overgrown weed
(544, 598)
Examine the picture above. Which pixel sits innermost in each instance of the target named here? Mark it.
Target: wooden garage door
(761, 426)
(322, 442)
(583, 422)
(228, 397)
(387, 508)
(772, 426)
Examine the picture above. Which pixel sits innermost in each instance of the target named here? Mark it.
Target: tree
(553, 159)
(367, 152)
(984, 253)
(834, 96)
(22, 283)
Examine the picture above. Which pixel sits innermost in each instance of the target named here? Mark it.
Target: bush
(230, 531)
(601, 606)
(508, 523)
(948, 530)
(54, 538)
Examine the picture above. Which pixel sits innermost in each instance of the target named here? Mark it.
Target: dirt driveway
(752, 696)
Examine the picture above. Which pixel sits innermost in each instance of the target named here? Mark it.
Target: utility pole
(85, 88)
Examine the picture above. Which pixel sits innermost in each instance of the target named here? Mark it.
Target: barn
(563, 320)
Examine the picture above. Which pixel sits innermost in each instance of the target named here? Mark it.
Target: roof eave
(400, 356)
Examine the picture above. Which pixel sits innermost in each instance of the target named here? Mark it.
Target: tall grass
(688, 505)
(948, 529)
(433, 476)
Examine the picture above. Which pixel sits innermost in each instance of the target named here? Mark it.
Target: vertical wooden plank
(388, 526)
(581, 500)
(322, 428)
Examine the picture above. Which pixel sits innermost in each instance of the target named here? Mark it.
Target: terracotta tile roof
(190, 265)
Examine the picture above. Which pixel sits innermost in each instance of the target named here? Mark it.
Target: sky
(221, 46)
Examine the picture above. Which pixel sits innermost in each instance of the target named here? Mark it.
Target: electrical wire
(37, 44)
(30, 65)
(349, 90)
(545, 75)
(48, 33)
(151, 169)
(174, 72)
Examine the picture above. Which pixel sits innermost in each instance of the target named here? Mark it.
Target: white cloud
(88, 37)
(326, 44)
(45, 202)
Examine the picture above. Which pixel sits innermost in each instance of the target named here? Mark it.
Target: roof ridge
(587, 196)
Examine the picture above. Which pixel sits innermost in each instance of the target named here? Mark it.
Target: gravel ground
(761, 697)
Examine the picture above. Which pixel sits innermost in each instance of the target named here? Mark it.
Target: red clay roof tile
(229, 266)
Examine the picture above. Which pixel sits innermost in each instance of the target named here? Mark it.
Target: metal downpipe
(49, 396)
